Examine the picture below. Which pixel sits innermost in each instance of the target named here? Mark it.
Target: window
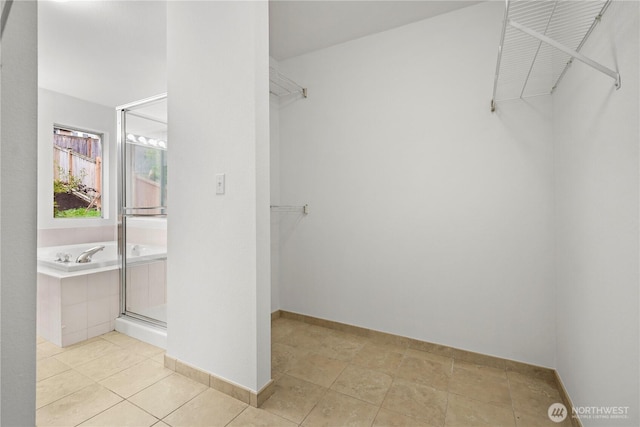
(77, 173)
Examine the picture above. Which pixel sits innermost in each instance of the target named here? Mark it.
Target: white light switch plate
(220, 183)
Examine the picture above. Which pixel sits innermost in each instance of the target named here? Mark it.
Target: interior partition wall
(142, 219)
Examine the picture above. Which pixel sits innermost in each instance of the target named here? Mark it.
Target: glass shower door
(143, 209)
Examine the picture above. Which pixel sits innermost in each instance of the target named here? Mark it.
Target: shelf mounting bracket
(574, 54)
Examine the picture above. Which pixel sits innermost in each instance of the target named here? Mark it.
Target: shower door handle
(130, 212)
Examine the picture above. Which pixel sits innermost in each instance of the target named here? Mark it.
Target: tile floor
(323, 378)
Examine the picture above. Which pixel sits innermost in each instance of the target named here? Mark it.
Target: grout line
(239, 413)
(446, 409)
(179, 407)
(143, 410)
(513, 409)
(65, 396)
(93, 416)
(326, 390)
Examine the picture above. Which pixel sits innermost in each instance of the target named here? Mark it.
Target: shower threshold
(144, 331)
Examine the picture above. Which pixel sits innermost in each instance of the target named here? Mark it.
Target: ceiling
(107, 52)
(112, 52)
(302, 26)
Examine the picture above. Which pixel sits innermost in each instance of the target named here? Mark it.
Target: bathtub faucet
(86, 255)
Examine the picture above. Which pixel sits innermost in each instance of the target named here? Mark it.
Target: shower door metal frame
(130, 212)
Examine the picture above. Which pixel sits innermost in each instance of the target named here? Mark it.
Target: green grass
(78, 213)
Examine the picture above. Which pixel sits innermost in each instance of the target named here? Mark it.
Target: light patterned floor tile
(167, 395)
(317, 369)
(109, 364)
(283, 357)
(417, 401)
(119, 339)
(144, 349)
(417, 388)
(293, 398)
(339, 346)
(138, 377)
(280, 328)
(465, 412)
(539, 420)
(480, 386)
(425, 370)
(531, 395)
(47, 349)
(386, 418)
(483, 370)
(86, 353)
(385, 359)
(253, 417)
(159, 357)
(49, 367)
(336, 409)
(364, 384)
(59, 386)
(77, 407)
(306, 338)
(210, 408)
(124, 414)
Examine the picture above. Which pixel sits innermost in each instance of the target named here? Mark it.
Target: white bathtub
(48, 256)
(79, 301)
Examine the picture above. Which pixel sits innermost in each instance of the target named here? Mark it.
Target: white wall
(218, 245)
(596, 135)
(274, 167)
(18, 167)
(274, 122)
(431, 217)
(59, 109)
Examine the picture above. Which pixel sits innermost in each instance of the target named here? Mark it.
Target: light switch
(220, 183)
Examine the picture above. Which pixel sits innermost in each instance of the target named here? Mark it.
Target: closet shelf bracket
(287, 208)
(573, 53)
(539, 42)
(281, 85)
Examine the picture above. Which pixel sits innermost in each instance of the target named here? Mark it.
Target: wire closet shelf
(281, 85)
(539, 42)
(288, 208)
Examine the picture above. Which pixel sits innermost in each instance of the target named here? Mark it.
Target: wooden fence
(71, 163)
(88, 147)
(147, 192)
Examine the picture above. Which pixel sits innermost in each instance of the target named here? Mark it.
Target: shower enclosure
(142, 203)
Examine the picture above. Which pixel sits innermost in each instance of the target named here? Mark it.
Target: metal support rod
(288, 208)
(286, 83)
(577, 55)
(495, 77)
(584, 39)
(533, 62)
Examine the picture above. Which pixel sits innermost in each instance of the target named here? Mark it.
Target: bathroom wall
(218, 244)
(431, 217)
(59, 109)
(18, 170)
(596, 135)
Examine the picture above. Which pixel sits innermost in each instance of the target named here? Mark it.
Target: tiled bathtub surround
(75, 235)
(77, 307)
